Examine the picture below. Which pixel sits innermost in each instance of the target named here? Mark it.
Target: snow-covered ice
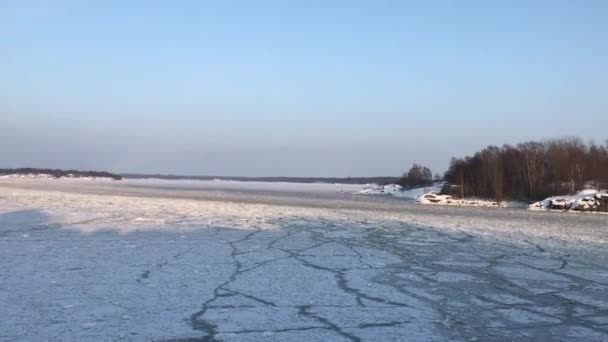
(159, 261)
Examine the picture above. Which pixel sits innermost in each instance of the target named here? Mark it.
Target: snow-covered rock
(586, 200)
(434, 198)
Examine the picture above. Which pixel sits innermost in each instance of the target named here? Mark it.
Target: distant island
(28, 172)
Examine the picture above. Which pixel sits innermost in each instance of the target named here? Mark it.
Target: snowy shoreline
(588, 201)
(431, 195)
(583, 201)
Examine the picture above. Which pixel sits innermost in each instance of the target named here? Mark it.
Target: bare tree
(418, 175)
(532, 159)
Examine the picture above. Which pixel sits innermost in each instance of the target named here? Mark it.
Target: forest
(529, 171)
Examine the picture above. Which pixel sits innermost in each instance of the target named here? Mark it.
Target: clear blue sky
(306, 88)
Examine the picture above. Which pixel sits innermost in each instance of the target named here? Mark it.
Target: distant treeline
(530, 171)
(331, 180)
(57, 173)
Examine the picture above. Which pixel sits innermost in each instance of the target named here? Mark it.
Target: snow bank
(417, 192)
(398, 191)
(49, 176)
(28, 176)
(375, 189)
(586, 200)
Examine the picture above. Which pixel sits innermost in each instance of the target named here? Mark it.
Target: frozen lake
(229, 261)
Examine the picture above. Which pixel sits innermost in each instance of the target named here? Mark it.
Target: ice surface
(160, 261)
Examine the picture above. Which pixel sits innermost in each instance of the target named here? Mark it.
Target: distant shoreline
(29, 172)
(329, 180)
